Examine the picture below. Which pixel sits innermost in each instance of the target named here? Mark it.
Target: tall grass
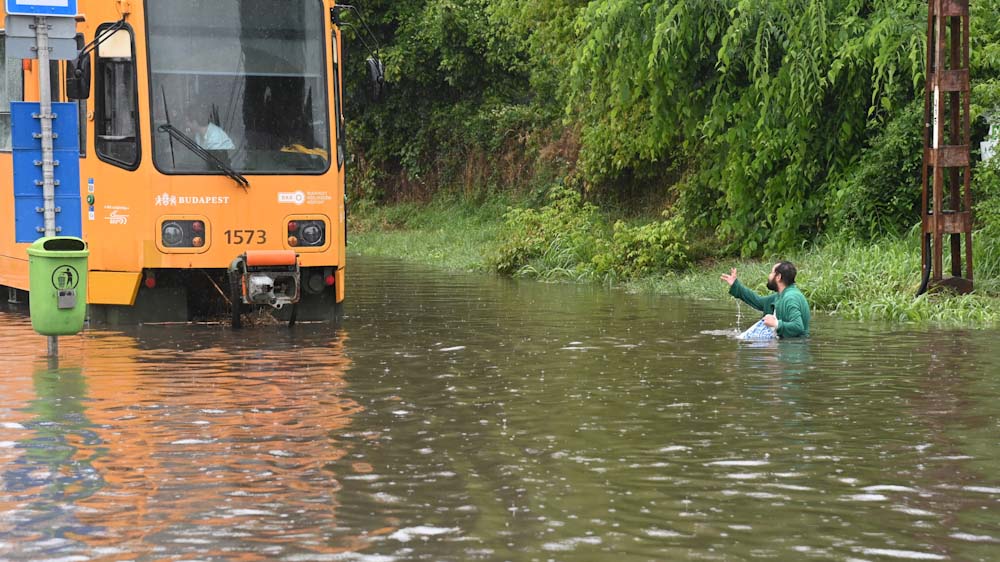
(865, 281)
(871, 282)
(880, 281)
(453, 234)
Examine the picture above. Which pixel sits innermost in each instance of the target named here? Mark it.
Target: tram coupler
(264, 277)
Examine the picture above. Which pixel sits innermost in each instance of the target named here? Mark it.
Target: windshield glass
(244, 79)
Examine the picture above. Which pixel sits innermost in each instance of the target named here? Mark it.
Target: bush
(986, 191)
(561, 236)
(646, 249)
(569, 237)
(880, 195)
(986, 240)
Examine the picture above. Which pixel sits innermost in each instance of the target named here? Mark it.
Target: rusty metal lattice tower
(947, 199)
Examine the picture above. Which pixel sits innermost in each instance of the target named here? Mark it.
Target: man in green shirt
(786, 311)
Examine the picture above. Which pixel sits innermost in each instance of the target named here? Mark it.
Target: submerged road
(465, 417)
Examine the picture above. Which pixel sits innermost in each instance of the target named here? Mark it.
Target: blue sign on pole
(65, 8)
(29, 200)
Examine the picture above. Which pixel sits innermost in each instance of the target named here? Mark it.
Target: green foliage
(455, 90)
(642, 78)
(869, 281)
(865, 281)
(571, 238)
(450, 233)
(879, 282)
(765, 100)
(648, 249)
(985, 77)
(986, 184)
(984, 38)
(880, 194)
(544, 30)
(560, 237)
(767, 122)
(847, 276)
(986, 240)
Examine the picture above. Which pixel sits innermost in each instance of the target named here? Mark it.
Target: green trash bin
(57, 272)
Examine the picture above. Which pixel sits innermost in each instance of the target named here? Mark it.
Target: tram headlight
(306, 233)
(312, 234)
(183, 234)
(172, 234)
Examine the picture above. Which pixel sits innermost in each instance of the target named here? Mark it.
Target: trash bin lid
(59, 247)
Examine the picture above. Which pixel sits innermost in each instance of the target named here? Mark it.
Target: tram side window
(116, 103)
(337, 104)
(11, 89)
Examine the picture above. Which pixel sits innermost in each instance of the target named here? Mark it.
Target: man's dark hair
(787, 271)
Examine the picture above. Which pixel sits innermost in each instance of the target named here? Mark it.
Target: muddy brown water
(465, 417)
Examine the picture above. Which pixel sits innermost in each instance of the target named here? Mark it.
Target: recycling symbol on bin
(65, 277)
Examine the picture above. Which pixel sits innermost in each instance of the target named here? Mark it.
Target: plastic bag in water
(758, 331)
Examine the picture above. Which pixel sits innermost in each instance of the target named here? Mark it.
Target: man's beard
(771, 284)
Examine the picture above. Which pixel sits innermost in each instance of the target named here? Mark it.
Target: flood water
(464, 417)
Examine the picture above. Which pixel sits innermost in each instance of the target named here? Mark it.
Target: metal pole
(947, 200)
(45, 116)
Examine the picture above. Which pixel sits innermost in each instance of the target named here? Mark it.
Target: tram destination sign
(57, 8)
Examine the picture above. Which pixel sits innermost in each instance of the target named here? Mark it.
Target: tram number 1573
(247, 237)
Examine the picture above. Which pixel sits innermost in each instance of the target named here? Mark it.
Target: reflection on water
(175, 441)
(455, 417)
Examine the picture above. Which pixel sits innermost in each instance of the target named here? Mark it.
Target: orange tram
(212, 157)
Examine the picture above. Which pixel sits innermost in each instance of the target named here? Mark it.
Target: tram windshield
(244, 79)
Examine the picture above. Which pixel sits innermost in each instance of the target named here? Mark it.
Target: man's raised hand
(731, 278)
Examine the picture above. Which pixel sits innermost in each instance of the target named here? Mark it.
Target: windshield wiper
(166, 113)
(205, 155)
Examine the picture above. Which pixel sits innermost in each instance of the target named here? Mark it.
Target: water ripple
(459, 417)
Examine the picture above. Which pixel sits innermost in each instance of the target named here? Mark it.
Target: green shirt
(789, 306)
